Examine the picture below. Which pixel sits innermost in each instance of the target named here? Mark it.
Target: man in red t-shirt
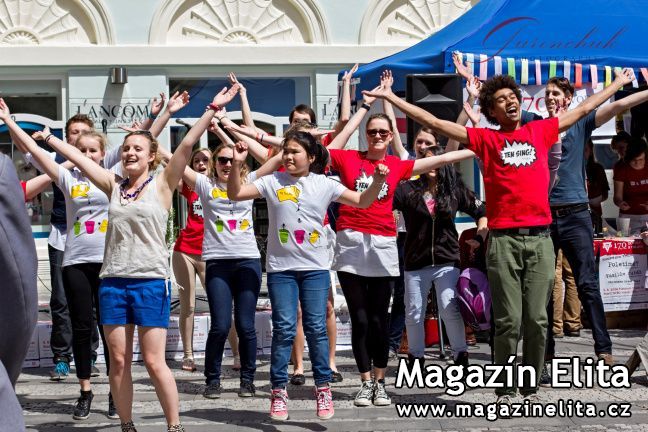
(516, 178)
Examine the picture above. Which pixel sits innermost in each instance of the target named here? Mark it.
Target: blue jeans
(238, 280)
(574, 235)
(310, 288)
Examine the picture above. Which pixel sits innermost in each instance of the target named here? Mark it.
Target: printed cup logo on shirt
(300, 236)
(218, 193)
(289, 193)
(197, 207)
(518, 154)
(363, 182)
(80, 190)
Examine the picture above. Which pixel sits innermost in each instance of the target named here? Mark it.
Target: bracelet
(262, 136)
(366, 106)
(152, 116)
(47, 138)
(213, 106)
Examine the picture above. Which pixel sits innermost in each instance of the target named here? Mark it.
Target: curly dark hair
(488, 90)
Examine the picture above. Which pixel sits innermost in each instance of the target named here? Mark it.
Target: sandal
(298, 379)
(189, 365)
(175, 428)
(128, 427)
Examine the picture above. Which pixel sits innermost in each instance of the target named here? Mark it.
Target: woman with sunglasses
(297, 257)
(366, 254)
(135, 286)
(429, 204)
(87, 218)
(233, 267)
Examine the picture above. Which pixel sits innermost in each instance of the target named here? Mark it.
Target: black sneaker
(213, 390)
(462, 359)
(298, 379)
(94, 370)
(112, 411)
(246, 389)
(545, 377)
(82, 407)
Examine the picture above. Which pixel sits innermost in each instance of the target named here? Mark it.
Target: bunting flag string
(594, 72)
(578, 75)
(524, 72)
(498, 65)
(510, 63)
(470, 62)
(538, 72)
(567, 69)
(608, 76)
(552, 68)
(644, 73)
(483, 67)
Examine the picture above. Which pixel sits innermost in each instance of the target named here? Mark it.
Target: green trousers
(521, 272)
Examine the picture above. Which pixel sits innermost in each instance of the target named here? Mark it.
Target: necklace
(133, 195)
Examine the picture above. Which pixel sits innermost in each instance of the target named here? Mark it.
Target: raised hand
(234, 81)
(41, 135)
(349, 74)
(225, 96)
(380, 173)
(461, 69)
(386, 79)
(5, 113)
(379, 92)
(132, 128)
(157, 105)
(177, 102)
(240, 151)
(626, 76)
(318, 133)
(473, 86)
(473, 115)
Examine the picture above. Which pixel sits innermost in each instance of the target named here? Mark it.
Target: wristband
(47, 138)
(261, 140)
(152, 116)
(213, 106)
(366, 106)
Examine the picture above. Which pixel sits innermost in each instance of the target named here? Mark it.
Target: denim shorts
(143, 302)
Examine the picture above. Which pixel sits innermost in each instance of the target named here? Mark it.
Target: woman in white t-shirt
(297, 259)
(87, 221)
(233, 266)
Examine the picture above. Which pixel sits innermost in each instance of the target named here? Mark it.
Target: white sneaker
(380, 396)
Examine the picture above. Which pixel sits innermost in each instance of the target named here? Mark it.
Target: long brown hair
(245, 169)
(153, 147)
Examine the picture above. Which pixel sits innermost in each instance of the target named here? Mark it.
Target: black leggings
(81, 284)
(368, 302)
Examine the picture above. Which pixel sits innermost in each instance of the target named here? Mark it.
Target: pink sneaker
(279, 404)
(324, 402)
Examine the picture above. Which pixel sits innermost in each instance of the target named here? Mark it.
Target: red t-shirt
(23, 184)
(326, 139)
(635, 187)
(516, 173)
(356, 173)
(190, 239)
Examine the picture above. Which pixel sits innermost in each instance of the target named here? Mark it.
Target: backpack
(474, 298)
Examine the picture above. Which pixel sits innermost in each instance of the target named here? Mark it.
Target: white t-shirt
(296, 209)
(229, 232)
(86, 207)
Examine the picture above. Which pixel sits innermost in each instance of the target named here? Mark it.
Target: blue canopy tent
(530, 40)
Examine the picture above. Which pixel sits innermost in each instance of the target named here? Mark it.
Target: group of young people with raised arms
(116, 255)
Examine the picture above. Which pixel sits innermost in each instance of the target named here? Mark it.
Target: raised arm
(345, 103)
(427, 164)
(261, 138)
(173, 171)
(235, 190)
(176, 103)
(397, 144)
(419, 115)
(258, 152)
(473, 87)
(567, 119)
(154, 111)
(245, 104)
(607, 112)
(343, 137)
(27, 144)
(369, 195)
(36, 185)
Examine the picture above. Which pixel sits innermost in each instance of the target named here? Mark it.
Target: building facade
(108, 58)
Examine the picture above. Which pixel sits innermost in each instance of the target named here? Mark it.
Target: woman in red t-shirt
(631, 185)
(366, 255)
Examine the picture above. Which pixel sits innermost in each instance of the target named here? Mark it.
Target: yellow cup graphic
(245, 224)
(103, 227)
(314, 237)
(80, 190)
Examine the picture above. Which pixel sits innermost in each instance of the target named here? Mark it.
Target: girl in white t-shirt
(297, 259)
(233, 266)
(87, 221)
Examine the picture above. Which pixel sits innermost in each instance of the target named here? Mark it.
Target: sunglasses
(382, 132)
(223, 160)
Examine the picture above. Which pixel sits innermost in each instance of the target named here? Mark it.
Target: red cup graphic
(90, 226)
(299, 236)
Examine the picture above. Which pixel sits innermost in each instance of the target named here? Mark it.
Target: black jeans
(61, 336)
(397, 315)
(574, 235)
(368, 302)
(81, 282)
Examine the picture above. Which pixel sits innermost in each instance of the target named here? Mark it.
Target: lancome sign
(111, 114)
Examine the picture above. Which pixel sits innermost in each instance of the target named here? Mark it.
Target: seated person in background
(597, 186)
(631, 185)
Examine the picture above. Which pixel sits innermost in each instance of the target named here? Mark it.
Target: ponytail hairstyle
(245, 169)
(314, 149)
